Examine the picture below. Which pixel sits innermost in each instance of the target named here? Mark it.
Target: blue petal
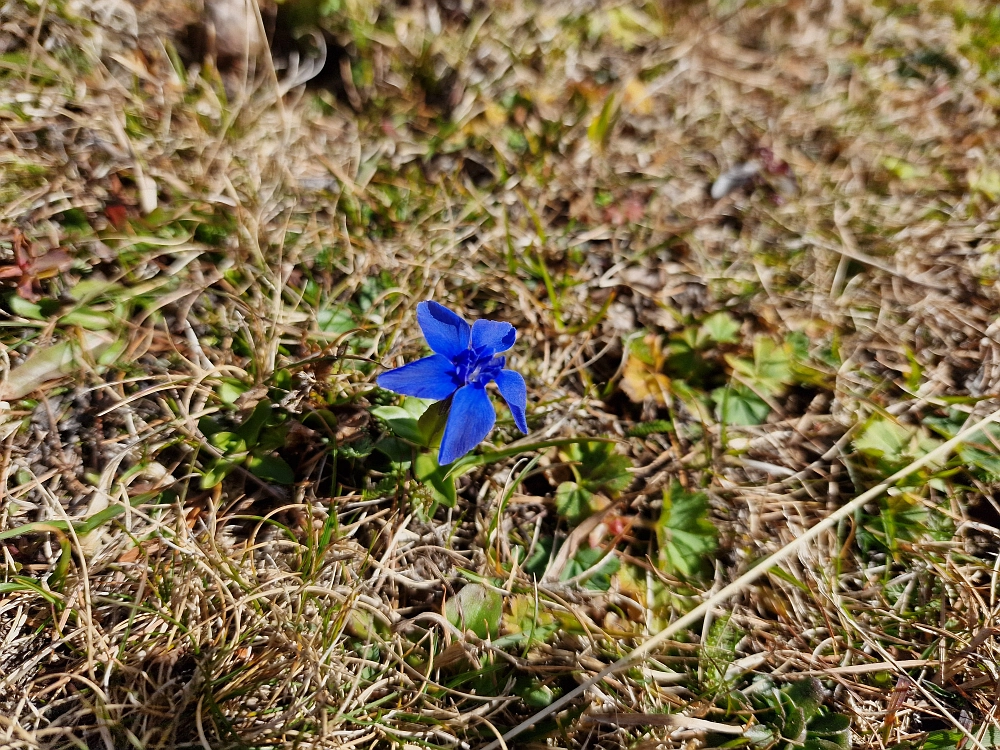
(512, 388)
(446, 332)
(494, 335)
(431, 377)
(470, 420)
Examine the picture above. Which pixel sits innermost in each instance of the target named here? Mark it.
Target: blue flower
(465, 360)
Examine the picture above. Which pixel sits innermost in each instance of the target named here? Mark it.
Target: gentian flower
(465, 360)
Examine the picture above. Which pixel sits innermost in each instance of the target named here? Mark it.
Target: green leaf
(250, 429)
(540, 557)
(686, 536)
(807, 695)
(721, 327)
(229, 390)
(476, 608)
(585, 559)
(395, 450)
(599, 467)
(760, 735)
(892, 442)
(574, 503)
(884, 439)
(719, 652)
(831, 728)
(215, 472)
(432, 423)
(402, 423)
(228, 442)
(435, 477)
(271, 468)
(600, 127)
(20, 306)
(536, 694)
(654, 427)
(737, 405)
(337, 321)
(771, 369)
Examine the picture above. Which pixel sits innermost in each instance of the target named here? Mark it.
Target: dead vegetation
(178, 246)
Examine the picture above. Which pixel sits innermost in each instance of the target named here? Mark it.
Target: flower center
(476, 366)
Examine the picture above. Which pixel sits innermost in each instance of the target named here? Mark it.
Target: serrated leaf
(737, 405)
(271, 468)
(893, 442)
(585, 559)
(721, 327)
(575, 503)
(686, 537)
(476, 608)
(883, 439)
(598, 467)
(771, 368)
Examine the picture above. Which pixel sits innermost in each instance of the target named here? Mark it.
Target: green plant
(685, 534)
(251, 446)
(600, 474)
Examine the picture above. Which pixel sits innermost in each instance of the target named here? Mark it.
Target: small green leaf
(834, 729)
(737, 405)
(654, 427)
(807, 695)
(541, 555)
(476, 608)
(536, 694)
(229, 390)
(271, 468)
(336, 321)
(771, 369)
(215, 472)
(686, 536)
(228, 442)
(435, 477)
(892, 442)
(721, 327)
(402, 423)
(760, 735)
(395, 450)
(20, 306)
(600, 127)
(585, 559)
(250, 429)
(883, 438)
(432, 422)
(599, 467)
(574, 503)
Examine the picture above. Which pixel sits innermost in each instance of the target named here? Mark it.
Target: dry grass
(187, 244)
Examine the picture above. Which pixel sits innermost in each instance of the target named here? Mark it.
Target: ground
(749, 249)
